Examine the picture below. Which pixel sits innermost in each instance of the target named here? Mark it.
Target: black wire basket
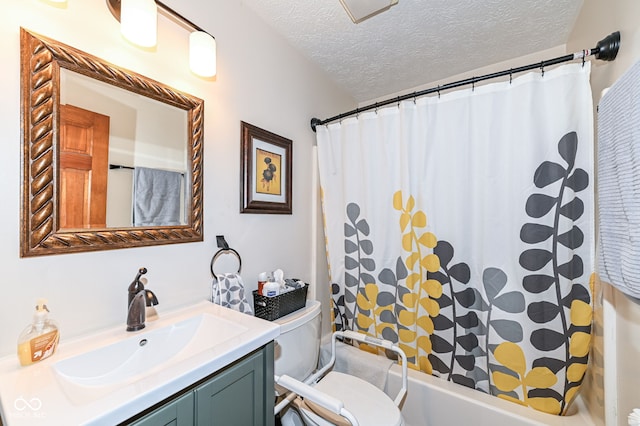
(272, 308)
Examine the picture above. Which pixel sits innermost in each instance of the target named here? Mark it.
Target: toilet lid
(369, 405)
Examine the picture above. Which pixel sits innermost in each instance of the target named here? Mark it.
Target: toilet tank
(297, 348)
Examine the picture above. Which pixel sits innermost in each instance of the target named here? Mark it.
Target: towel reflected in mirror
(156, 197)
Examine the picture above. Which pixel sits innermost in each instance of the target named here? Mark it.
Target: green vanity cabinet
(241, 394)
(178, 412)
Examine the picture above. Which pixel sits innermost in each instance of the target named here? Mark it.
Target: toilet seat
(369, 405)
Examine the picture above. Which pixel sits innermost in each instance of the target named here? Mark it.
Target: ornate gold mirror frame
(40, 233)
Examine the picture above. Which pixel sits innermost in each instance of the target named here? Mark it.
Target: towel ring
(221, 252)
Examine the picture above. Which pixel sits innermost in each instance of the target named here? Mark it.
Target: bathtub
(432, 401)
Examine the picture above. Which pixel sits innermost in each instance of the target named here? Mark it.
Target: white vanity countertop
(39, 395)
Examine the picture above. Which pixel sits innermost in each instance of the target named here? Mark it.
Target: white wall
(260, 80)
(500, 66)
(618, 317)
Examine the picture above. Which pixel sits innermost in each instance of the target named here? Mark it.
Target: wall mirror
(111, 159)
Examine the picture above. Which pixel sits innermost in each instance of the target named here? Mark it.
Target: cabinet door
(176, 413)
(241, 395)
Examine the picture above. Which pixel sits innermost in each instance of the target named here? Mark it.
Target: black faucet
(139, 298)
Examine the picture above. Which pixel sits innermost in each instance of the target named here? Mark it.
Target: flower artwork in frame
(266, 171)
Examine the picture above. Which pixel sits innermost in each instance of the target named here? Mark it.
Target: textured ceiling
(416, 41)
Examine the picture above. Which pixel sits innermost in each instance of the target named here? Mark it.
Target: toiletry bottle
(262, 279)
(39, 340)
(271, 289)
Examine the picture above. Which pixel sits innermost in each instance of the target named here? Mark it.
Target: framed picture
(265, 171)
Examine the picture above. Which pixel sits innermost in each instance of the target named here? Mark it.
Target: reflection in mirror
(133, 139)
(98, 143)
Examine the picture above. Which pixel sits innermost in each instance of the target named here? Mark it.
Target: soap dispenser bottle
(40, 339)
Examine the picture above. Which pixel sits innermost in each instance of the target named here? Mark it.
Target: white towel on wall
(619, 183)
(228, 291)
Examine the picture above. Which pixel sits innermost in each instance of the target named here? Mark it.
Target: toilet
(297, 350)
(296, 355)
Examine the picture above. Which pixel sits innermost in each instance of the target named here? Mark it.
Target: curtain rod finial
(608, 47)
(314, 123)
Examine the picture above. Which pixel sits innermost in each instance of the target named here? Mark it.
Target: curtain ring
(414, 98)
(542, 67)
(584, 57)
(510, 75)
(438, 91)
(473, 84)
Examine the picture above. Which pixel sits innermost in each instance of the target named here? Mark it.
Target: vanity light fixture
(139, 21)
(202, 53)
(359, 10)
(202, 45)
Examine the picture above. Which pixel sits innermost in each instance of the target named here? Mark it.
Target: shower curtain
(461, 227)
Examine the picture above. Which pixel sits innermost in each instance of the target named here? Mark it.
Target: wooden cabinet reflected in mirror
(89, 130)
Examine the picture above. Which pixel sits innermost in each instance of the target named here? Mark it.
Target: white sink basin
(110, 375)
(125, 360)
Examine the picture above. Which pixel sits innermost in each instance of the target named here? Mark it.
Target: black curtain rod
(606, 50)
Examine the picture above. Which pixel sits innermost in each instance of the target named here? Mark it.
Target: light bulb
(139, 21)
(202, 54)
